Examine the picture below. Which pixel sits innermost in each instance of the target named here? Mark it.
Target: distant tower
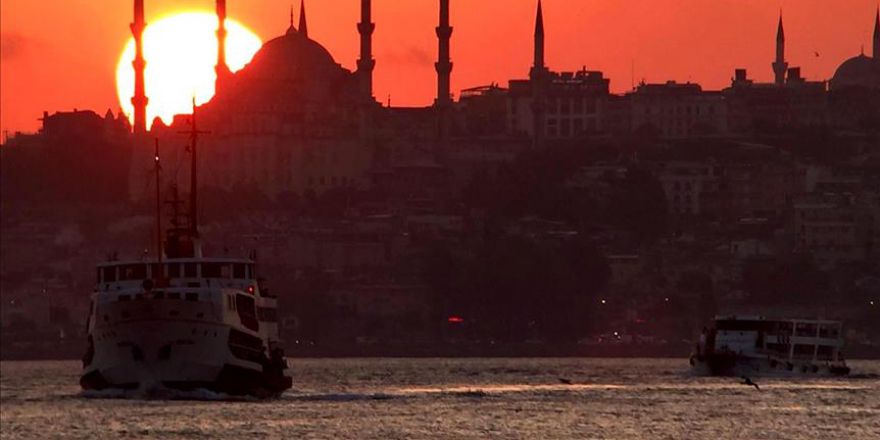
(538, 79)
(366, 63)
(139, 100)
(780, 66)
(444, 63)
(444, 69)
(538, 65)
(303, 29)
(877, 36)
(223, 72)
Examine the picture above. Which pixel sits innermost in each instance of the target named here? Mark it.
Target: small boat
(758, 346)
(184, 321)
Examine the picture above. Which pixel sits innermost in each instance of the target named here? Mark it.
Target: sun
(181, 52)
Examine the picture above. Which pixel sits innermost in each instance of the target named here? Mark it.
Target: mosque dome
(293, 67)
(861, 71)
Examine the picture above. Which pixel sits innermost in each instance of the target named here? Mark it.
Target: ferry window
(779, 348)
(803, 350)
(828, 332)
(158, 294)
(109, 274)
(192, 296)
(124, 298)
(247, 311)
(826, 352)
(251, 273)
(806, 330)
(238, 271)
(226, 270)
(173, 271)
(211, 270)
(134, 272)
(98, 276)
(173, 295)
(155, 271)
(189, 270)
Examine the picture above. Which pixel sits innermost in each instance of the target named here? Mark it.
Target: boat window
(779, 348)
(155, 271)
(828, 332)
(158, 294)
(741, 325)
(247, 312)
(803, 350)
(192, 296)
(238, 271)
(173, 295)
(806, 330)
(189, 270)
(134, 272)
(109, 274)
(124, 298)
(217, 270)
(251, 273)
(173, 270)
(211, 270)
(98, 276)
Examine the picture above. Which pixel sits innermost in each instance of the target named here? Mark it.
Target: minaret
(139, 100)
(303, 29)
(443, 66)
(538, 79)
(538, 65)
(223, 72)
(366, 63)
(876, 53)
(780, 66)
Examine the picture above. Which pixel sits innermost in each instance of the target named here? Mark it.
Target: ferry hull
(178, 355)
(724, 364)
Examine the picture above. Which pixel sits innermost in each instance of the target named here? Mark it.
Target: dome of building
(293, 67)
(861, 71)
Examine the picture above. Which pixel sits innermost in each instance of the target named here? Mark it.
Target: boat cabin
(804, 339)
(184, 272)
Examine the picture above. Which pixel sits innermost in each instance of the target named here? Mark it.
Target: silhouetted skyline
(628, 41)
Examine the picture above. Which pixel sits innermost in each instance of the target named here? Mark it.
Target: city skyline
(626, 57)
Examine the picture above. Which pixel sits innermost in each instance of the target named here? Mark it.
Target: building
(674, 110)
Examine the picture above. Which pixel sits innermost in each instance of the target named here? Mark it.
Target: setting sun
(181, 52)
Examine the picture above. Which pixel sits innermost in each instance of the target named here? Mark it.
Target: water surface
(456, 398)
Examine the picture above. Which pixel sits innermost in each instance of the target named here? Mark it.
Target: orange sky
(61, 54)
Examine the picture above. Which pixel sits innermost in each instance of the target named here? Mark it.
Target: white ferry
(757, 346)
(184, 321)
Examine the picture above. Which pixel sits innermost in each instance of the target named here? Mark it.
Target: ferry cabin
(212, 290)
(802, 340)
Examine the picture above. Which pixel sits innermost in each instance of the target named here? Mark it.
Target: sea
(570, 398)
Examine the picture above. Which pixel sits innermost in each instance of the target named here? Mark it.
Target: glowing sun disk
(181, 53)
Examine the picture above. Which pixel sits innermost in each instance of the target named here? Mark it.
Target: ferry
(184, 321)
(758, 346)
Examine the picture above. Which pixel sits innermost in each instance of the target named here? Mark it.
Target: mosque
(861, 71)
(294, 121)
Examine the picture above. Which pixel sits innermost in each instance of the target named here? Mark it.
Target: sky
(62, 54)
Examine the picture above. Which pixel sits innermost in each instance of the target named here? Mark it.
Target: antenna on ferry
(193, 197)
(158, 210)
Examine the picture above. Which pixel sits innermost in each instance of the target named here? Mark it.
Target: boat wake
(163, 393)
